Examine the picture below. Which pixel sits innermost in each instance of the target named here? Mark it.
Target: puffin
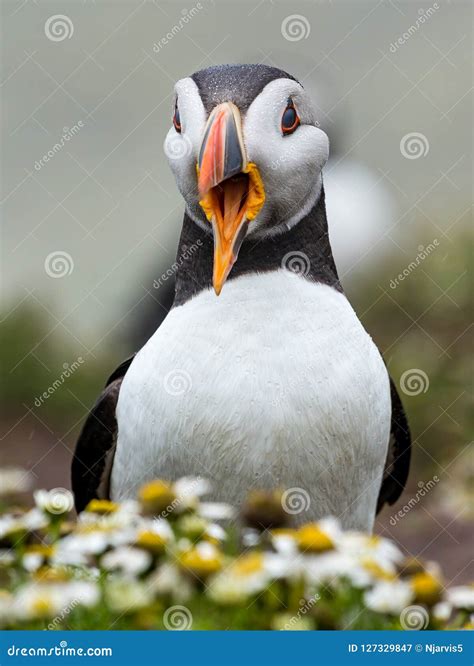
(261, 376)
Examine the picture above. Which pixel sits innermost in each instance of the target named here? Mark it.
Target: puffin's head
(247, 154)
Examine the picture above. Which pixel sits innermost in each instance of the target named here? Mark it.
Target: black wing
(93, 457)
(397, 464)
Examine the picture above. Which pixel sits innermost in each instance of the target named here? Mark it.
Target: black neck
(309, 236)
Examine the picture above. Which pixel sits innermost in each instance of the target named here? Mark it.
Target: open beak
(230, 188)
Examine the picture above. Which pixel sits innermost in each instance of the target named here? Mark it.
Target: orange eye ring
(290, 119)
(177, 119)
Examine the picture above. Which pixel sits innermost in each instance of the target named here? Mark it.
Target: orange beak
(231, 189)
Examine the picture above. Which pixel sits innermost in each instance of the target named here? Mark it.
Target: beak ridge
(222, 153)
(230, 188)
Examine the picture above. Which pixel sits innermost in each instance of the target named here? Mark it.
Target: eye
(177, 119)
(290, 118)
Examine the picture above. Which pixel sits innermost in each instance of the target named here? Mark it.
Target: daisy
(130, 561)
(426, 588)
(127, 596)
(54, 502)
(13, 481)
(168, 580)
(389, 597)
(247, 575)
(76, 548)
(461, 597)
(202, 560)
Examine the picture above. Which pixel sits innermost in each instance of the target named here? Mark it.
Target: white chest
(273, 384)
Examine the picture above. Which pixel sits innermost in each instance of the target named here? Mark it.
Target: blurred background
(91, 214)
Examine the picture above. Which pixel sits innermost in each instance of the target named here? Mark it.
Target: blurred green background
(108, 203)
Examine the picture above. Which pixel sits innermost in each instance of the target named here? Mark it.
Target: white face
(289, 164)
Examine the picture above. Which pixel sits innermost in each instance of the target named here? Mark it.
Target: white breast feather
(273, 384)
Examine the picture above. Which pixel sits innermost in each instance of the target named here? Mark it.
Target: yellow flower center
(157, 496)
(47, 574)
(426, 587)
(311, 538)
(102, 506)
(39, 549)
(248, 564)
(283, 531)
(193, 561)
(42, 607)
(152, 542)
(376, 570)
